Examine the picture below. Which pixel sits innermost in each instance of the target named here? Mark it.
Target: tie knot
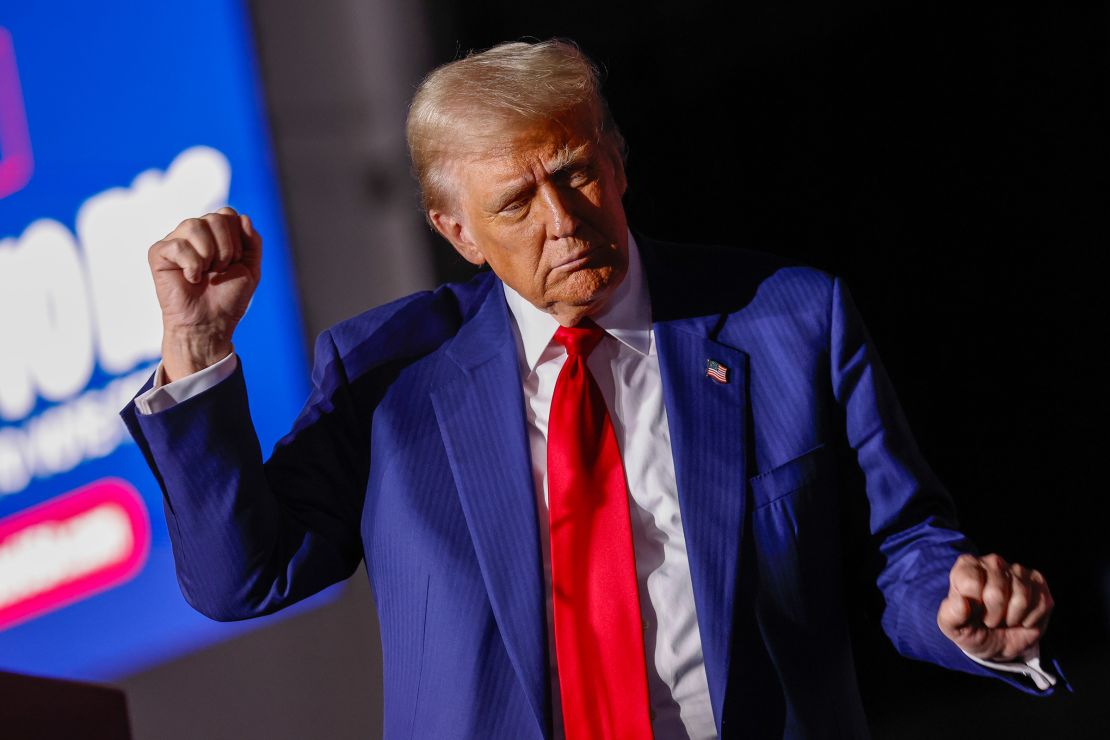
(581, 339)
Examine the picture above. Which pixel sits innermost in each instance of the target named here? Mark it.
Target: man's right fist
(205, 272)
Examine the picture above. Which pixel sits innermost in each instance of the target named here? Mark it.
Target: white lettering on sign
(64, 436)
(59, 301)
(69, 303)
(44, 291)
(17, 391)
(117, 227)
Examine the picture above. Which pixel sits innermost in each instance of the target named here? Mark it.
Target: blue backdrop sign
(115, 125)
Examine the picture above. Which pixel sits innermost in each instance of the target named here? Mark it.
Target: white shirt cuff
(1031, 668)
(162, 397)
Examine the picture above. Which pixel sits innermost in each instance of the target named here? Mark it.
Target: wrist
(184, 353)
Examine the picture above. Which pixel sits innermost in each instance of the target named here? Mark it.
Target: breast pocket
(805, 470)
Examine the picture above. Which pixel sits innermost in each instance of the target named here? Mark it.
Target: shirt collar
(627, 316)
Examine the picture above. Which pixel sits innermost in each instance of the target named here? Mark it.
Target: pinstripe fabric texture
(411, 453)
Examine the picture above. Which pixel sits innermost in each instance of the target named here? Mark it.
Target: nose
(561, 221)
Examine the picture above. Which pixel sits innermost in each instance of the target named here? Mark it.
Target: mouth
(578, 261)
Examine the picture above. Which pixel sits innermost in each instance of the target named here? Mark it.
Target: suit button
(651, 714)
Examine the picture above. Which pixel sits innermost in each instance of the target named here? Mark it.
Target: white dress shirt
(626, 368)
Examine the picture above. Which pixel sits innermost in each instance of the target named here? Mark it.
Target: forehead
(530, 151)
(505, 172)
(534, 160)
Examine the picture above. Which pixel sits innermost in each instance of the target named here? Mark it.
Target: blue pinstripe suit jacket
(412, 452)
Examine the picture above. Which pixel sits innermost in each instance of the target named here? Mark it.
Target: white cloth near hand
(166, 395)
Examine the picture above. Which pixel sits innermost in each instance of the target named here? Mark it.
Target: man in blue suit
(737, 387)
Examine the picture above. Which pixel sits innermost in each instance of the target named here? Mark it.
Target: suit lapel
(707, 421)
(481, 418)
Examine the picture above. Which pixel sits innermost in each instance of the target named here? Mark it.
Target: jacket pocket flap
(788, 477)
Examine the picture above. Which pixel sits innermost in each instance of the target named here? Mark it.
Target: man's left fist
(994, 610)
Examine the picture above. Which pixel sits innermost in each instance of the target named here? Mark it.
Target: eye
(514, 207)
(578, 178)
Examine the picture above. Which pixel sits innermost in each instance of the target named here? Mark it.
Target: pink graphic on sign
(15, 142)
(70, 548)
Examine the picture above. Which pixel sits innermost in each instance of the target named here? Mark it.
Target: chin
(589, 287)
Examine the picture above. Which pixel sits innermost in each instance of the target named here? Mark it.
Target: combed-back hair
(474, 103)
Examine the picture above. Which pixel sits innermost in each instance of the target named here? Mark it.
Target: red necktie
(599, 643)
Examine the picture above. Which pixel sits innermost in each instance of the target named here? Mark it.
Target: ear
(453, 230)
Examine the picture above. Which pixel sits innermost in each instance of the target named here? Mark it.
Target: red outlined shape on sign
(16, 163)
(70, 548)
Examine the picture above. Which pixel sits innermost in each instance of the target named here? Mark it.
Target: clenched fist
(205, 272)
(994, 610)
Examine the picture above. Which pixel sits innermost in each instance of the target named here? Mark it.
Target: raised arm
(248, 537)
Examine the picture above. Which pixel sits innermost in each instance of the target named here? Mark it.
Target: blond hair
(482, 98)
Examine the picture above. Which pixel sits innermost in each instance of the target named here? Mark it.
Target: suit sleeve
(912, 518)
(250, 537)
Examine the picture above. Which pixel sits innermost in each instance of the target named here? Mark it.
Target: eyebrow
(564, 159)
(567, 158)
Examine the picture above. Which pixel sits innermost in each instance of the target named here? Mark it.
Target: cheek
(519, 260)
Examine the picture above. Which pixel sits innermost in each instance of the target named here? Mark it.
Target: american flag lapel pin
(716, 370)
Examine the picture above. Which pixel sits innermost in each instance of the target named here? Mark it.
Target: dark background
(948, 162)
